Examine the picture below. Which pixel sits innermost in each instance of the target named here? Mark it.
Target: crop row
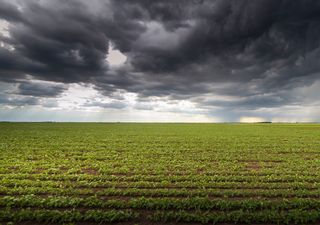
(54, 171)
(195, 203)
(183, 192)
(162, 178)
(56, 216)
(152, 184)
(239, 216)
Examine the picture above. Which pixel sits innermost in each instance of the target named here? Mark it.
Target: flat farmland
(131, 173)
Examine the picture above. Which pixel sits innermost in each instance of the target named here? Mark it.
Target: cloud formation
(220, 55)
(40, 89)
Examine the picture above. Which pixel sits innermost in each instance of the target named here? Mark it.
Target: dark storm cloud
(40, 89)
(9, 11)
(55, 41)
(181, 49)
(268, 44)
(239, 41)
(18, 101)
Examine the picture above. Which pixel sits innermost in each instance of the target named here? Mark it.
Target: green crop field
(87, 173)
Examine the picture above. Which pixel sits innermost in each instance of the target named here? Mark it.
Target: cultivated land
(84, 173)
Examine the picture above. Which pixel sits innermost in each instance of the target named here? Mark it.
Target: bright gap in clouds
(115, 57)
(251, 119)
(87, 104)
(76, 96)
(4, 25)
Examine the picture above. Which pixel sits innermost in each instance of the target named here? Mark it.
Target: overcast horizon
(160, 61)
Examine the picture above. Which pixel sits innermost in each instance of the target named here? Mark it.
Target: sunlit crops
(157, 173)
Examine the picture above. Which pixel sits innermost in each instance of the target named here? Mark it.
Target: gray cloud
(112, 105)
(10, 11)
(18, 101)
(40, 89)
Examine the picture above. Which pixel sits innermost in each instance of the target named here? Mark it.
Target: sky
(160, 61)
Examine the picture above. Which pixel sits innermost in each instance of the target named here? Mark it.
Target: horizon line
(229, 122)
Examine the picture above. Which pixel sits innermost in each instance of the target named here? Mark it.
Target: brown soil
(90, 171)
(253, 166)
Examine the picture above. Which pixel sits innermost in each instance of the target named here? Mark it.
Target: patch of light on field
(251, 119)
